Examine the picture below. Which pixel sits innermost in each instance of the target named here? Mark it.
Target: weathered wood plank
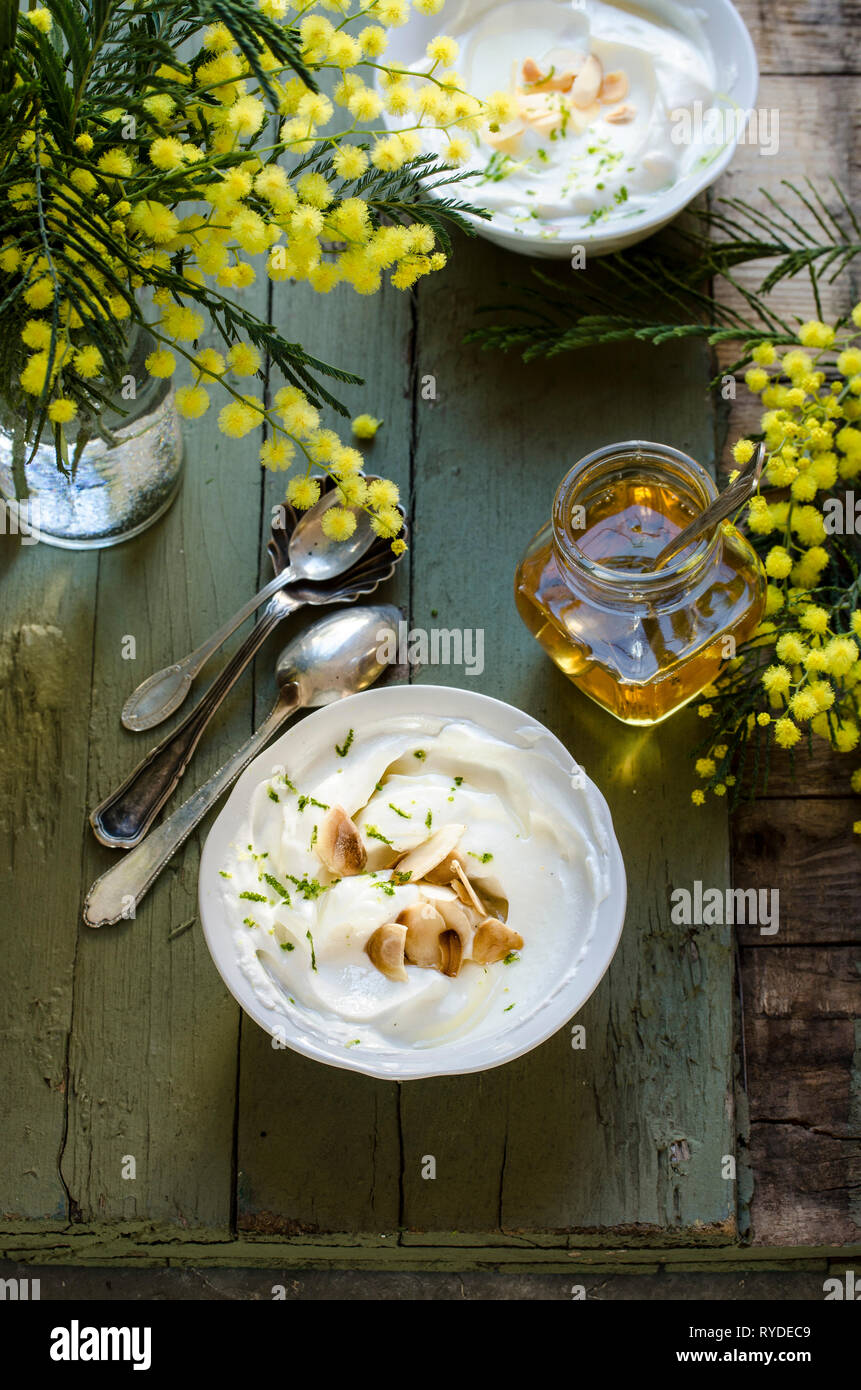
(396, 1285)
(819, 142)
(819, 139)
(799, 1067)
(45, 656)
(152, 1066)
(799, 1063)
(803, 983)
(805, 848)
(114, 1248)
(813, 36)
(801, 1012)
(821, 772)
(318, 1148)
(629, 1132)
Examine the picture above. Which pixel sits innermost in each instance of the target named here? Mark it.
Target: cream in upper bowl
(598, 89)
(536, 854)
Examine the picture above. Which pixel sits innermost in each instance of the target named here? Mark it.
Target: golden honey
(640, 642)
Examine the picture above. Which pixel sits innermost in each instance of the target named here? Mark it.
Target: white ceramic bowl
(737, 83)
(299, 1031)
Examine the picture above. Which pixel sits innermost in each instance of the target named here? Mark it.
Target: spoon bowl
(314, 555)
(300, 552)
(123, 818)
(338, 656)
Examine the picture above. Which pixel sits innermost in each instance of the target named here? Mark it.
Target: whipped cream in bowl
(620, 113)
(415, 881)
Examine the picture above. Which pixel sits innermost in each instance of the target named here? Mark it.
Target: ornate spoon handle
(124, 817)
(117, 893)
(162, 693)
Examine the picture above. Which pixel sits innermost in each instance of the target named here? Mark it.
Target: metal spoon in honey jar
(717, 511)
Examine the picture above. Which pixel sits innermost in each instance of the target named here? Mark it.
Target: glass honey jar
(638, 641)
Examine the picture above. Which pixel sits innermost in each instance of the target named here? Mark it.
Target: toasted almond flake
(430, 942)
(561, 66)
(467, 887)
(423, 926)
(547, 124)
(437, 893)
(386, 949)
(587, 83)
(533, 108)
(461, 893)
(456, 917)
(581, 120)
(621, 115)
(499, 907)
(615, 87)
(540, 113)
(563, 83)
(421, 861)
(493, 940)
(446, 869)
(451, 947)
(552, 82)
(339, 845)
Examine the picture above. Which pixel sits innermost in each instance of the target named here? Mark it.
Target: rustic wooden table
(799, 992)
(125, 1043)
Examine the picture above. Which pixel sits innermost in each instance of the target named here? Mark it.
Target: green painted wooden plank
(116, 1246)
(565, 1138)
(46, 636)
(152, 1062)
(318, 1149)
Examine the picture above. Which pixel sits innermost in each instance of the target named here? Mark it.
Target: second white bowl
(737, 78)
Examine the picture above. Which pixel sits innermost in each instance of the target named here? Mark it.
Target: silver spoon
(723, 506)
(338, 656)
(126, 814)
(311, 556)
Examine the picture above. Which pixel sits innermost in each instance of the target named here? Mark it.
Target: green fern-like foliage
(663, 290)
(408, 194)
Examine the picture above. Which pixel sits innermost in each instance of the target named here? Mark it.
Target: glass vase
(125, 477)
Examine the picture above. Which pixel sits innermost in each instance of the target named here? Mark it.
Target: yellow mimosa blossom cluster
(215, 170)
(807, 650)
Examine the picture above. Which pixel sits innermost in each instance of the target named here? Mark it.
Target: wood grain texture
(392, 1285)
(800, 1058)
(820, 771)
(46, 640)
(805, 849)
(803, 36)
(152, 1060)
(115, 1248)
(819, 139)
(803, 1056)
(318, 1148)
(629, 1132)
